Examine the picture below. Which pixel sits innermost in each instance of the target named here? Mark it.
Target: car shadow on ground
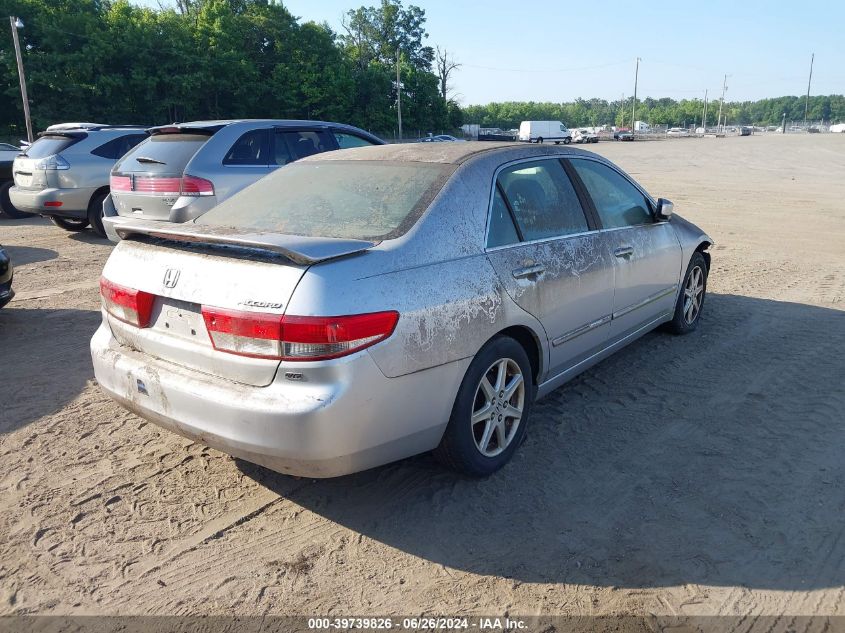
(23, 255)
(30, 220)
(88, 237)
(714, 458)
(44, 360)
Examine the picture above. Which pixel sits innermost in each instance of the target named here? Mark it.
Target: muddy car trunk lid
(185, 273)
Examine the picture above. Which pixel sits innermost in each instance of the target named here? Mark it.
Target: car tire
(557, 142)
(461, 446)
(70, 224)
(95, 214)
(540, 141)
(6, 205)
(690, 302)
(567, 141)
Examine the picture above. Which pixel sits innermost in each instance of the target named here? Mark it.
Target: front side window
(252, 148)
(618, 202)
(543, 200)
(346, 140)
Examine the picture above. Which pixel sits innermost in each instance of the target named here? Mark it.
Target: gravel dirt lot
(693, 475)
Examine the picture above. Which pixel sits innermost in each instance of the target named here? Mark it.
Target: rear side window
(502, 230)
(346, 140)
(543, 200)
(117, 147)
(293, 145)
(253, 148)
(51, 144)
(347, 199)
(163, 153)
(618, 202)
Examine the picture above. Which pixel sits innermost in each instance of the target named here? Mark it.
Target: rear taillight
(157, 185)
(56, 161)
(127, 304)
(120, 183)
(195, 186)
(295, 338)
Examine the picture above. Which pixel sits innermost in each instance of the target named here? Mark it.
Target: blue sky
(556, 51)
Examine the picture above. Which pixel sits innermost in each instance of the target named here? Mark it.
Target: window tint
(502, 231)
(346, 140)
(117, 147)
(252, 148)
(618, 202)
(49, 145)
(543, 199)
(290, 146)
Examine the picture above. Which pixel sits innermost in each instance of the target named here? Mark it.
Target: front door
(646, 252)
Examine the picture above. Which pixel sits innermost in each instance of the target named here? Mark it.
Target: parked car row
(174, 172)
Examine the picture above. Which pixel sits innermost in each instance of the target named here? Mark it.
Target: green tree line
(686, 112)
(115, 62)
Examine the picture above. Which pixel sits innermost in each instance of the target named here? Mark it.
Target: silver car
(362, 306)
(64, 174)
(185, 169)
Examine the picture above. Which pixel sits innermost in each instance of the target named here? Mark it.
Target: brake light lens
(187, 185)
(126, 304)
(195, 186)
(295, 338)
(54, 162)
(120, 183)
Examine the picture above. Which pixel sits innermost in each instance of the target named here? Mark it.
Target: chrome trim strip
(644, 302)
(581, 330)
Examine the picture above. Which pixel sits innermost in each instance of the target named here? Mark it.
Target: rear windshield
(347, 199)
(163, 153)
(49, 145)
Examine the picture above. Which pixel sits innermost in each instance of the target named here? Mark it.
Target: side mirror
(665, 208)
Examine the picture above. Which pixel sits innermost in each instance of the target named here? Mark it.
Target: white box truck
(542, 131)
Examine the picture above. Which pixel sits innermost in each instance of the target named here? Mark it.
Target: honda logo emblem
(171, 277)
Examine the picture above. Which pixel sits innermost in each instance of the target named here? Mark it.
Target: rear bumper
(74, 202)
(342, 418)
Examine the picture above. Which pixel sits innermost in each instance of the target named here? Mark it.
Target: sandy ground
(693, 475)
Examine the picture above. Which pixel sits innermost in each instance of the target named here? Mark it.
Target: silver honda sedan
(365, 305)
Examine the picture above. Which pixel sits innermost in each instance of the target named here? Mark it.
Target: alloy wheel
(693, 295)
(497, 407)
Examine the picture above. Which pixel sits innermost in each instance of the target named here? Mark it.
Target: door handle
(528, 271)
(624, 251)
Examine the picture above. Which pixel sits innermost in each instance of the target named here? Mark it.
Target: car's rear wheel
(691, 298)
(567, 141)
(6, 205)
(491, 412)
(540, 141)
(69, 224)
(95, 214)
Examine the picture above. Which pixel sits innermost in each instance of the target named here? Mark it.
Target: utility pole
(622, 110)
(398, 94)
(704, 115)
(721, 103)
(634, 106)
(17, 24)
(809, 81)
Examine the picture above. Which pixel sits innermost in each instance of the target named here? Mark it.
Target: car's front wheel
(69, 224)
(567, 141)
(691, 298)
(491, 412)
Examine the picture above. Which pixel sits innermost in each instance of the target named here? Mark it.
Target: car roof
(445, 153)
(221, 123)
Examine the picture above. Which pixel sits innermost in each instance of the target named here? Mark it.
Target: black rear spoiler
(296, 248)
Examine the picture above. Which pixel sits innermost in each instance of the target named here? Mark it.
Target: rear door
(646, 252)
(147, 181)
(291, 144)
(551, 259)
